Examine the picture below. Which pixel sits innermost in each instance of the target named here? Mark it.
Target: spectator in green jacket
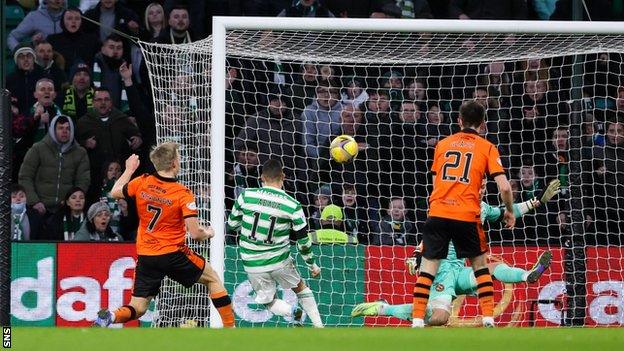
(53, 166)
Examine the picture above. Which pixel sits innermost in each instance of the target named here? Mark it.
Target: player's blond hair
(163, 155)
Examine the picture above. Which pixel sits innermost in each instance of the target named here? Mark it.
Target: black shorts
(467, 237)
(183, 266)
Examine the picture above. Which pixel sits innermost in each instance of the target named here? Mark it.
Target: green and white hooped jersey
(266, 217)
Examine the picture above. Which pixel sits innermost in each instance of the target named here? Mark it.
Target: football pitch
(343, 339)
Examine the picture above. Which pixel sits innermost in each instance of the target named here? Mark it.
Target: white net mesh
(552, 102)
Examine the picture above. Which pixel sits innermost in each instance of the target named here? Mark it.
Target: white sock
(280, 308)
(418, 323)
(306, 300)
(525, 275)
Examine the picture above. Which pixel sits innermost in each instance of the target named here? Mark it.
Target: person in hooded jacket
(73, 42)
(54, 165)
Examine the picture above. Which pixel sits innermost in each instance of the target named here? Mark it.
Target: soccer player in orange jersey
(166, 211)
(460, 163)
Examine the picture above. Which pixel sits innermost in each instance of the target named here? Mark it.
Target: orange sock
(123, 314)
(222, 302)
(485, 291)
(421, 295)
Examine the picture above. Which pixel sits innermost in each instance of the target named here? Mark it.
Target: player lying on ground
(268, 219)
(166, 211)
(454, 278)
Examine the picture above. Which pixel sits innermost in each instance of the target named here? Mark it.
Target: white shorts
(265, 284)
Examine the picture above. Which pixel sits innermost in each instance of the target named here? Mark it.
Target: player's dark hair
(472, 114)
(272, 170)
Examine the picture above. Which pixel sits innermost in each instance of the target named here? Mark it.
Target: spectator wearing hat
(44, 59)
(332, 229)
(97, 226)
(38, 24)
(272, 132)
(73, 43)
(21, 83)
(394, 227)
(53, 166)
(78, 97)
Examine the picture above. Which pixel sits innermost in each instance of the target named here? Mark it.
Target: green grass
(343, 339)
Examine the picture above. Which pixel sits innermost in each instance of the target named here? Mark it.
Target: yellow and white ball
(343, 149)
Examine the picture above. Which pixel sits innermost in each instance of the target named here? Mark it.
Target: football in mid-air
(343, 149)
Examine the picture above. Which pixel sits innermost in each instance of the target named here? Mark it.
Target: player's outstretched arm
(132, 163)
(507, 196)
(197, 231)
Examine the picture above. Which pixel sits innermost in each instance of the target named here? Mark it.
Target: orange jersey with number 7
(162, 205)
(460, 163)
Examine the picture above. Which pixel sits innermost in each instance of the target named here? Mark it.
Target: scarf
(42, 128)
(71, 226)
(105, 195)
(19, 232)
(407, 8)
(69, 101)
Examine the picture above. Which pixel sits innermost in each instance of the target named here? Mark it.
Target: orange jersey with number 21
(460, 163)
(162, 205)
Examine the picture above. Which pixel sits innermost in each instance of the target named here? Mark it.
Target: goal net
(553, 105)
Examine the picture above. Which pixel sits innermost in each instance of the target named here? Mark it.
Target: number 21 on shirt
(457, 166)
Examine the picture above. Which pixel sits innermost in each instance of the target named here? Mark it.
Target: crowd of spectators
(82, 103)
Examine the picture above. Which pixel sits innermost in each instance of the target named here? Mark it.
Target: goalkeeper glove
(413, 263)
(553, 188)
